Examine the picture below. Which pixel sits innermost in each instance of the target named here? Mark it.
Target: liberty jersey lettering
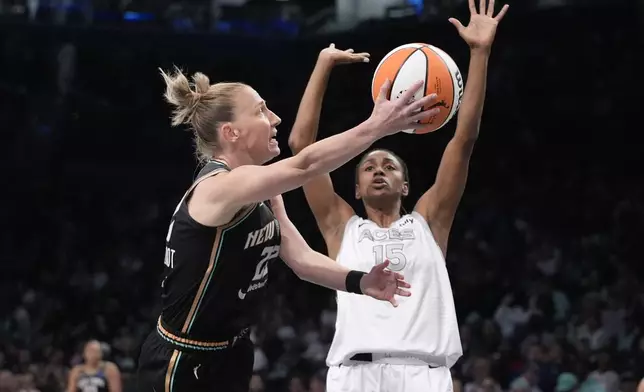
(423, 324)
(214, 277)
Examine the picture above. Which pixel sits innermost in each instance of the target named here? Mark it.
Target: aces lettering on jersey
(392, 251)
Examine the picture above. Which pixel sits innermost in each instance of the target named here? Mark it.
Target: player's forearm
(316, 268)
(307, 264)
(471, 110)
(329, 154)
(306, 125)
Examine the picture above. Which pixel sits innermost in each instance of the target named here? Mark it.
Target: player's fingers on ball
(384, 90)
(407, 96)
(424, 115)
(426, 101)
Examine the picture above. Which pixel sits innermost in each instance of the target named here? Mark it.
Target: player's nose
(275, 119)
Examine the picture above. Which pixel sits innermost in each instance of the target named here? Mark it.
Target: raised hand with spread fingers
(480, 31)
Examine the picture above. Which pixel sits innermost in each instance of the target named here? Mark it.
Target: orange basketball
(412, 62)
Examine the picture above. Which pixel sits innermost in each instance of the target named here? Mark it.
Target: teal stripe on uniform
(221, 241)
(174, 371)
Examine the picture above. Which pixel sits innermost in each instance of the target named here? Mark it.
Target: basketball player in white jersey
(379, 348)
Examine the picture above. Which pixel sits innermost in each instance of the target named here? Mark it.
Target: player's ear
(229, 133)
(405, 188)
(358, 197)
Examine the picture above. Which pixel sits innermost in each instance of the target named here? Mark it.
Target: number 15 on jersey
(393, 253)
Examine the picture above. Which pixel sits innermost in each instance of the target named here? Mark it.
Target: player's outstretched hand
(383, 284)
(480, 32)
(336, 56)
(391, 116)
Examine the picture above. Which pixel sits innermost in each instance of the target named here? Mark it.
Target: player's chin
(273, 150)
(381, 192)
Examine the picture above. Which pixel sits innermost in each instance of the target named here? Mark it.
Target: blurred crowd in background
(546, 253)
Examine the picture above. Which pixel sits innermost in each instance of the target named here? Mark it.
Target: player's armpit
(216, 200)
(331, 211)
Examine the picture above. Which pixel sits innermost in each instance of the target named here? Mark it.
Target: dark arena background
(552, 216)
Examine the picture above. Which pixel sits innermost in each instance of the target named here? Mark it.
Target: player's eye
(391, 167)
(368, 168)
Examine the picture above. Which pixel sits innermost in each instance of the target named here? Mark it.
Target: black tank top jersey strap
(215, 277)
(92, 382)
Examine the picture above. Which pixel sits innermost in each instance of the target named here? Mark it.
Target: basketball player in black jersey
(225, 233)
(94, 375)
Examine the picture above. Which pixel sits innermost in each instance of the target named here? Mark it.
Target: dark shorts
(162, 368)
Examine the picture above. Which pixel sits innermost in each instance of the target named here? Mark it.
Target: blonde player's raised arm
(218, 199)
(438, 205)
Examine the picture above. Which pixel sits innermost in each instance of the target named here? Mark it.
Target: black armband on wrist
(352, 282)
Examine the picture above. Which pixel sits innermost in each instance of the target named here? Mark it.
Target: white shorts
(383, 377)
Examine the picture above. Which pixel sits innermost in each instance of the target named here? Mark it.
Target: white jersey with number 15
(424, 324)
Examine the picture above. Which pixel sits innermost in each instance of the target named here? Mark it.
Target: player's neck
(92, 366)
(233, 160)
(383, 217)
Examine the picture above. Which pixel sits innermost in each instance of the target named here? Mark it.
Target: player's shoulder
(211, 178)
(418, 218)
(110, 366)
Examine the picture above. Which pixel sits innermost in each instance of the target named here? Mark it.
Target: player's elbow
(467, 134)
(298, 265)
(296, 143)
(463, 144)
(304, 166)
(296, 258)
